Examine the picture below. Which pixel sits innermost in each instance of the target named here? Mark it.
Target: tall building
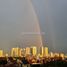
(46, 51)
(42, 51)
(1, 53)
(20, 52)
(27, 50)
(15, 52)
(6, 55)
(34, 51)
(23, 52)
(51, 54)
(62, 55)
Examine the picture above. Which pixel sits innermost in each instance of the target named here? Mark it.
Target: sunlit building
(62, 55)
(20, 52)
(51, 54)
(6, 55)
(46, 51)
(56, 54)
(65, 56)
(34, 51)
(23, 52)
(42, 51)
(1, 53)
(27, 50)
(15, 52)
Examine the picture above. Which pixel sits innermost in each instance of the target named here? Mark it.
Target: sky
(19, 25)
(19, 17)
(53, 21)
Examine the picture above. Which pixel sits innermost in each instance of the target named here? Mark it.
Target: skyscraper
(42, 51)
(34, 51)
(27, 50)
(15, 52)
(1, 53)
(46, 51)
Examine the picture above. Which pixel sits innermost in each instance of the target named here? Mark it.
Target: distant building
(46, 51)
(42, 51)
(27, 50)
(1, 53)
(56, 54)
(51, 54)
(15, 52)
(34, 51)
(20, 52)
(6, 55)
(62, 55)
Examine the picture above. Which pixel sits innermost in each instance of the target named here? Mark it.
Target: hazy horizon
(27, 16)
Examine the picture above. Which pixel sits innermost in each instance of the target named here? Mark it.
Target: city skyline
(32, 51)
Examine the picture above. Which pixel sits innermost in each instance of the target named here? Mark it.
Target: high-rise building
(51, 54)
(46, 51)
(42, 51)
(34, 51)
(56, 54)
(62, 55)
(23, 52)
(15, 52)
(6, 55)
(20, 52)
(1, 53)
(27, 50)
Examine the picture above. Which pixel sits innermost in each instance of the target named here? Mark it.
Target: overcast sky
(20, 16)
(53, 21)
